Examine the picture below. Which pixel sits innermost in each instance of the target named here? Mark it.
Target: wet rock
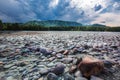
(51, 64)
(90, 66)
(41, 78)
(26, 79)
(7, 66)
(10, 78)
(59, 69)
(78, 74)
(78, 60)
(21, 64)
(25, 72)
(45, 52)
(51, 58)
(53, 53)
(17, 50)
(67, 60)
(109, 63)
(75, 61)
(73, 69)
(68, 77)
(67, 69)
(59, 55)
(61, 51)
(80, 50)
(27, 45)
(86, 46)
(66, 52)
(5, 52)
(96, 50)
(80, 78)
(95, 78)
(1, 66)
(52, 76)
(35, 77)
(71, 47)
(114, 46)
(44, 71)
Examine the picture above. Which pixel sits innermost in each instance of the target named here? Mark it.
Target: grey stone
(43, 71)
(59, 56)
(80, 78)
(68, 77)
(52, 76)
(59, 69)
(67, 60)
(95, 78)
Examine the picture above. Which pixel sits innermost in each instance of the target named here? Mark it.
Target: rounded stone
(52, 76)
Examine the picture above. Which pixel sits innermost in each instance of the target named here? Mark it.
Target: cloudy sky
(84, 11)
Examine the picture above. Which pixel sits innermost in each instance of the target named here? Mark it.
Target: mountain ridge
(52, 23)
(59, 23)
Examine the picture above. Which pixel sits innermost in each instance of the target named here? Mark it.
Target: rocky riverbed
(53, 55)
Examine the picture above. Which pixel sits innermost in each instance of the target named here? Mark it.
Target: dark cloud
(97, 7)
(71, 10)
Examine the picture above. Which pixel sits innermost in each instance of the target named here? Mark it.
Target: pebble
(67, 60)
(73, 69)
(68, 77)
(66, 52)
(59, 56)
(33, 57)
(78, 74)
(1, 66)
(52, 76)
(80, 78)
(10, 78)
(41, 78)
(7, 66)
(43, 71)
(59, 69)
(95, 78)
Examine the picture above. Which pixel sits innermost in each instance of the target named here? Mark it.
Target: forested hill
(55, 25)
(52, 23)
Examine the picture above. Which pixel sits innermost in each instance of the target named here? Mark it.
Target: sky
(105, 12)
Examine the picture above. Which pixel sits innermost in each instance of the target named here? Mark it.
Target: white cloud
(53, 3)
(87, 5)
(116, 6)
(83, 11)
(111, 19)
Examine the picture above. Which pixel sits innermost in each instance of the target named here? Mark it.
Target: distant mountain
(98, 25)
(52, 23)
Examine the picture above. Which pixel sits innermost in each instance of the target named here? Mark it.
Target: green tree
(1, 24)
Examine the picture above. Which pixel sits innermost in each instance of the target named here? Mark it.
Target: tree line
(20, 26)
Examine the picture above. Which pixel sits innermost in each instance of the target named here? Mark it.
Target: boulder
(90, 66)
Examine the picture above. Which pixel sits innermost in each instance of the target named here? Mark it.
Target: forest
(21, 26)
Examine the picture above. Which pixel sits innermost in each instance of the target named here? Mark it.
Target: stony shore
(53, 55)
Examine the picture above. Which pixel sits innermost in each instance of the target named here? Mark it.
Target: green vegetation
(52, 23)
(54, 26)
